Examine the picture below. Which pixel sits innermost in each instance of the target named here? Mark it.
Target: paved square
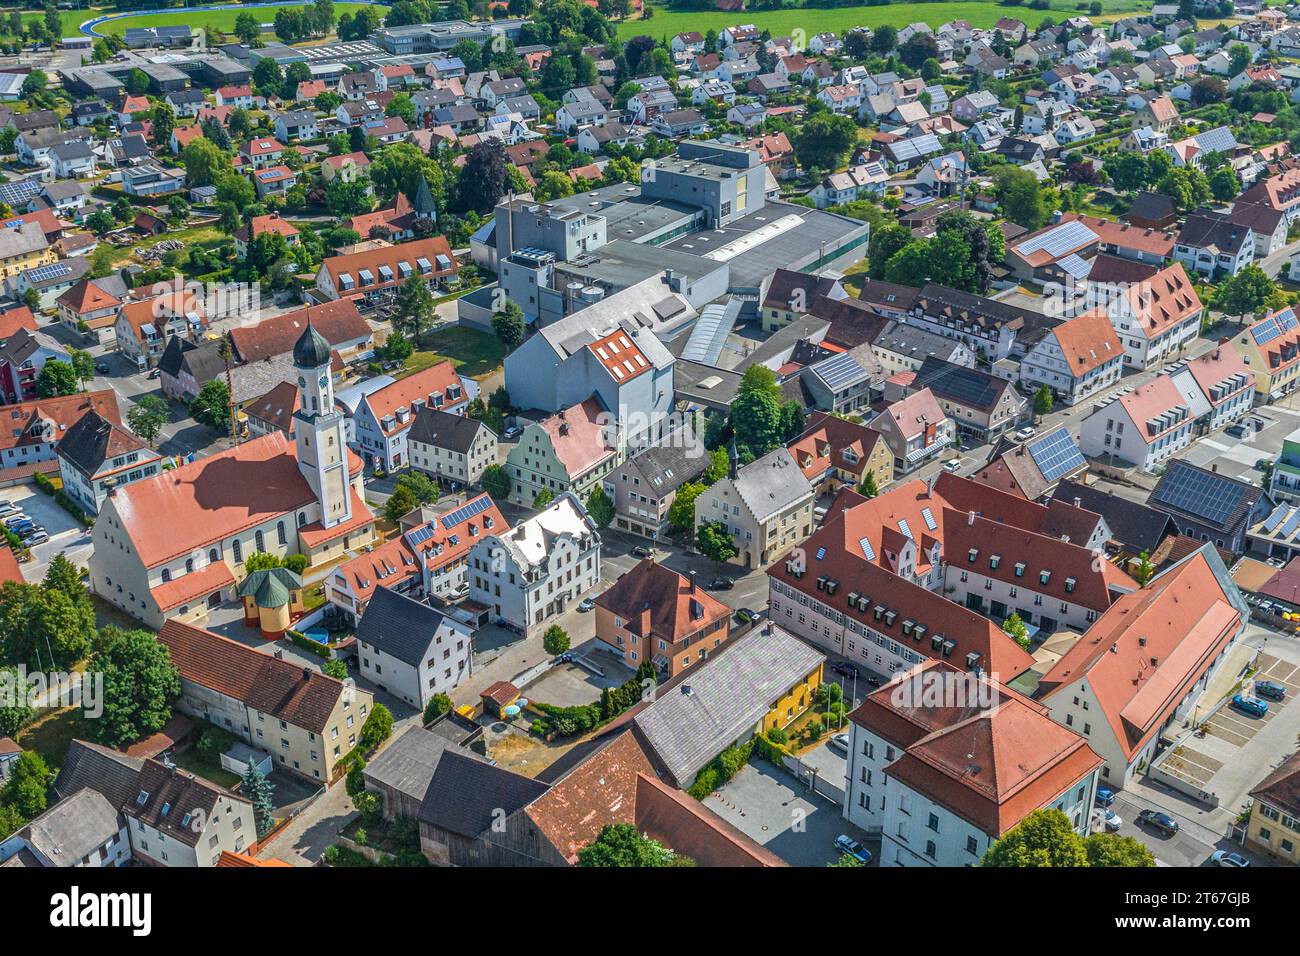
(767, 804)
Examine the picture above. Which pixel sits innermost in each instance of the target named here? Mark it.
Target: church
(176, 545)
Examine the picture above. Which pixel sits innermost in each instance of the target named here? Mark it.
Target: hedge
(722, 768)
(307, 644)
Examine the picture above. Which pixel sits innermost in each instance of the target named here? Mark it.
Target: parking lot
(1239, 456)
(568, 685)
(67, 535)
(769, 805)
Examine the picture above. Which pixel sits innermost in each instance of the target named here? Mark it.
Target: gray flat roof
(626, 263)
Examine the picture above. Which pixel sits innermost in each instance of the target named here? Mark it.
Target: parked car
(7, 509)
(1236, 431)
(102, 368)
(16, 518)
(1113, 821)
(1228, 858)
(845, 668)
(745, 615)
(640, 552)
(1161, 822)
(953, 465)
(511, 433)
(840, 742)
(36, 536)
(1105, 797)
(1026, 433)
(1250, 706)
(23, 527)
(586, 605)
(1270, 689)
(720, 584)
(154, 373)
(846, 844)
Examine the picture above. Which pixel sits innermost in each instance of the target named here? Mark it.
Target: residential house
(765, 506)
(96, 455)
(410, 650)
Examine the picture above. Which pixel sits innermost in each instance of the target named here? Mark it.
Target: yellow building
(23, 248)
(1274, 824)
(795, 701)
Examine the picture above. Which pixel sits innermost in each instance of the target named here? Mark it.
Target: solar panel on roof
(1275, 325)
(1057, 242)
(465, 512)
(839, 370)
(1292, 523)
(1208, 496)
(52, 271)
(1275, 518)
(1056, 455)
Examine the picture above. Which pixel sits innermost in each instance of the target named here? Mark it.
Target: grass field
(223, 20)
(980, 13)
(473, 353)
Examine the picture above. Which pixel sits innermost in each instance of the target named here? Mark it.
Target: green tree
(1043, 401)
(257, 790)
(756, 415)
(719, 465)
(262, 561)
(1248, 291)
(543, 498)
(1017, 630)
(377, 728)
(415, 306)
(424, 488)
(211, 406)
(508, 324)
(399, 504)
(1224, 184)
(825, 140)
(56, 378)
(600, 507)
(1145, 569)
(29, 784)
(1109, 849)
(496, 482)
(1022, 197)
(620, 845)
(140, 683)
(1043, 838)
(438, 705)
(147, 417)
(248, 28)
(205, 162)
(555, 641)
(681, 513)
(713, 541)
(868, 488)
(83, 364)
(14, 711)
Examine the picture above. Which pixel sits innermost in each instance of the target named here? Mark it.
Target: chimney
(1078, 502)
(306, 673)
(645, 621)
(1214, 467)
(970, 518)
(691, 575)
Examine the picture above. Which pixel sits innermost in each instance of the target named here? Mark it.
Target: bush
(438, 705)
(214, 742)
(360, 837)
(355, 783)
(377, 728)
(307, 644)
(555, 641)
(335, 668)
(778, 736)
(813, 730)
(706, 781)
(297, 563)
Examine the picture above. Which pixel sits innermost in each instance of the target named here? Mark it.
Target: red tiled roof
(17, 420)
(578, 436)
(338, 322)
(87, 296)
(298, 695)
(1141, 656)
(668, 597)
(14, 319)
(194, 586)
(1088, 342)
(210, 499)
(687, 827)
(371, 259)
(10, 570)
(824, 441)
(406, 392)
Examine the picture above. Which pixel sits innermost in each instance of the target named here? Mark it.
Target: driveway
(767, 804)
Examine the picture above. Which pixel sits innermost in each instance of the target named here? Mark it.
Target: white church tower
(318, 430)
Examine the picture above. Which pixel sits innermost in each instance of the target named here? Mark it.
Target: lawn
(198, 764)
(473, 353)
(817, 20)
(51, 734)
(223, 20)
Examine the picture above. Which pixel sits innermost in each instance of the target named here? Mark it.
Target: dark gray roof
(432, 426)
(203, 361)
(1204, 496)
(680, 458)
(93, 439)
(73, 828)
(407, 764)
(399, 626)
(963, 386)
(113, 774)
(1136, 526)
(466, 794)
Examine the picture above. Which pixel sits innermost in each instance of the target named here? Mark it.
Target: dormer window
(1020, 569)
(972, 554)
(1069, 585)
(1044, 576)
(994, 561)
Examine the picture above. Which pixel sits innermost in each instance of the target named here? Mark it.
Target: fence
(812, 779)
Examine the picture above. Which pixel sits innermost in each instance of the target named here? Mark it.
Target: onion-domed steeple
(312, 349)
